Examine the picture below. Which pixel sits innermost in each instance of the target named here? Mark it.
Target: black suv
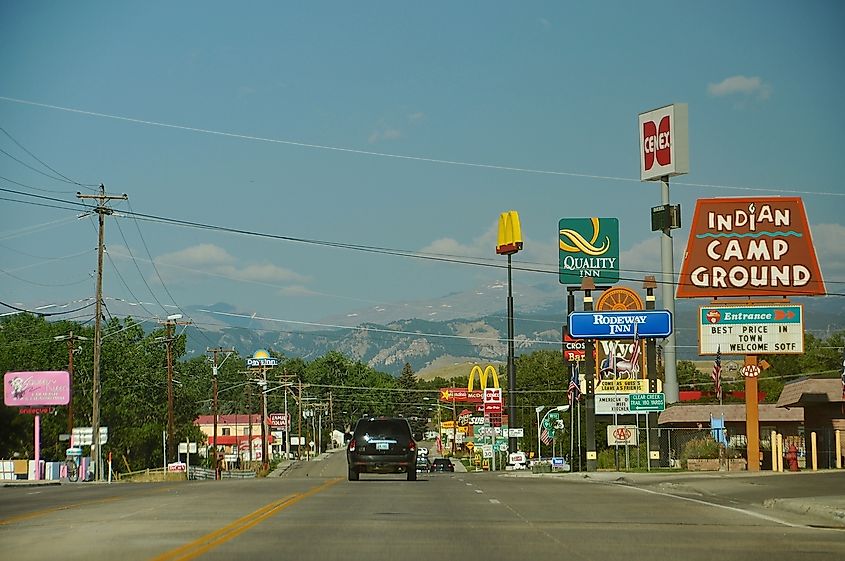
(382, 445)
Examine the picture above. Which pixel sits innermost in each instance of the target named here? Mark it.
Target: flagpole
(571, 418)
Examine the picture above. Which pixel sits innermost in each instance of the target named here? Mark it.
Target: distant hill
(430, 345)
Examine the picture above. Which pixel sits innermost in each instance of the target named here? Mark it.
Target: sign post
(664, 152)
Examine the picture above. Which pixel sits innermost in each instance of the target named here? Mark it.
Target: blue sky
(316, 100)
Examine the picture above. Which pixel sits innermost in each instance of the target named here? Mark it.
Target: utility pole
(102, 210)
(168, 339)
(71, 340)
(214, 366)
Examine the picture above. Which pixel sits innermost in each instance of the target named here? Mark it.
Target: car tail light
(412, 445)
(351, 447)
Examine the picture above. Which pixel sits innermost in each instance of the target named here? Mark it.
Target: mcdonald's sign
(509, 240)
(489, 370)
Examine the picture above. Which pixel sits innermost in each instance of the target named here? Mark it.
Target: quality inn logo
(589, 247)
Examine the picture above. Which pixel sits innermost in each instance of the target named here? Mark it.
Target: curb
(799, 506)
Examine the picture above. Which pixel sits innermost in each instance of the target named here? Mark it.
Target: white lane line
(479, 491)
(731, 508)
(495, 501)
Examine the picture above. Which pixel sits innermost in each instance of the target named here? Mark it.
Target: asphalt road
(312, 512)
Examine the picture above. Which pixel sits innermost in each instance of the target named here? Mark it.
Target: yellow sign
(470, 445)
(489, 370)
(509, 239)
(621, 386)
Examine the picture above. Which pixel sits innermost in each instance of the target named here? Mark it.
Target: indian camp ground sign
(750, 246)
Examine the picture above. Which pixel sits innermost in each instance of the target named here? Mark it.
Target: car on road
(423, 463)
(382, 445)
(442, 464)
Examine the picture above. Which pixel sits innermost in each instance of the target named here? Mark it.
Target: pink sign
(23, 389)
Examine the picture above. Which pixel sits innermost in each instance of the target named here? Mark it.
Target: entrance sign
(664, 142)
(589, 247)
(620, 325)
(751, 329)
(750, 246)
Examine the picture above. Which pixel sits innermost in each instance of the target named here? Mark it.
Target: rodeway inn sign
(620, 325)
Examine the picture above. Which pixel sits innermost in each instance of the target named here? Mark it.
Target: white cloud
(264, 272)
(544, 23)
(416, 117)
(482, 246)
(384, 134)
(297, 290)
(744, 85)
(213, 261)
(197, 255)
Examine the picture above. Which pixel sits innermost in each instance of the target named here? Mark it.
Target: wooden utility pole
(71, 340)
(168, 342)
(214, 366)
(102, 210)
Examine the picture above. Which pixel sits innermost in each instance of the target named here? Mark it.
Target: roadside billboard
(21, 389)
(750, 246)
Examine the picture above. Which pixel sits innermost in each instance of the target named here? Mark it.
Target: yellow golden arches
(482, 376)
(578, 243)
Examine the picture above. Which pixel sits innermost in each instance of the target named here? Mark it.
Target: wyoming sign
(750, 246)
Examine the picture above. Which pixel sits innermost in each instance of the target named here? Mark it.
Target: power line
(477, 261)
(45, 314)
(37, 159)
(300, 144)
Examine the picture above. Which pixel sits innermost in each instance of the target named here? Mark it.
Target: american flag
(716, 375)
(574, 390)
(635, 354)
(544, 436)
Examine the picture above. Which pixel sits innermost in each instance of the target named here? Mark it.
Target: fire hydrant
(792, 457)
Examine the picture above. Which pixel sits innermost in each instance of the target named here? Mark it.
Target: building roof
(238, 419)
(811, 391)
(734, 412)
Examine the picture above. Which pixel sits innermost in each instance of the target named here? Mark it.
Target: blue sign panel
(620, 325)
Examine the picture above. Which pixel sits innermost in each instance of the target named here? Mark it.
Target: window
(226, 431)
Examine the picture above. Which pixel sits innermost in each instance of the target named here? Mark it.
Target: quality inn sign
(589, 247)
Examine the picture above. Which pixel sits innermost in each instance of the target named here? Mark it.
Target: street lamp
(538, 410)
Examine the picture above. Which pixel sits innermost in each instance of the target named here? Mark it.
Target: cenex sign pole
(664, 151)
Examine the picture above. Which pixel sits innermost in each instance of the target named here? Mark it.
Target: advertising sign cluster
(751, 329)
(750, 246)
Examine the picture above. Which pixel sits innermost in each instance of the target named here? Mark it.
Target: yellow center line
(211, 540)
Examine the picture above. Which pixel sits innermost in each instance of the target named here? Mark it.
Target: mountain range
(457, 328)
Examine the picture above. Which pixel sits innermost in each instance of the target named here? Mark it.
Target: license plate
(382, 446)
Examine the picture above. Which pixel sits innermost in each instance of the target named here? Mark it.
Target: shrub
(703, 447)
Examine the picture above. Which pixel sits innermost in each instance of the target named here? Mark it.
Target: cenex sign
(620, 325)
